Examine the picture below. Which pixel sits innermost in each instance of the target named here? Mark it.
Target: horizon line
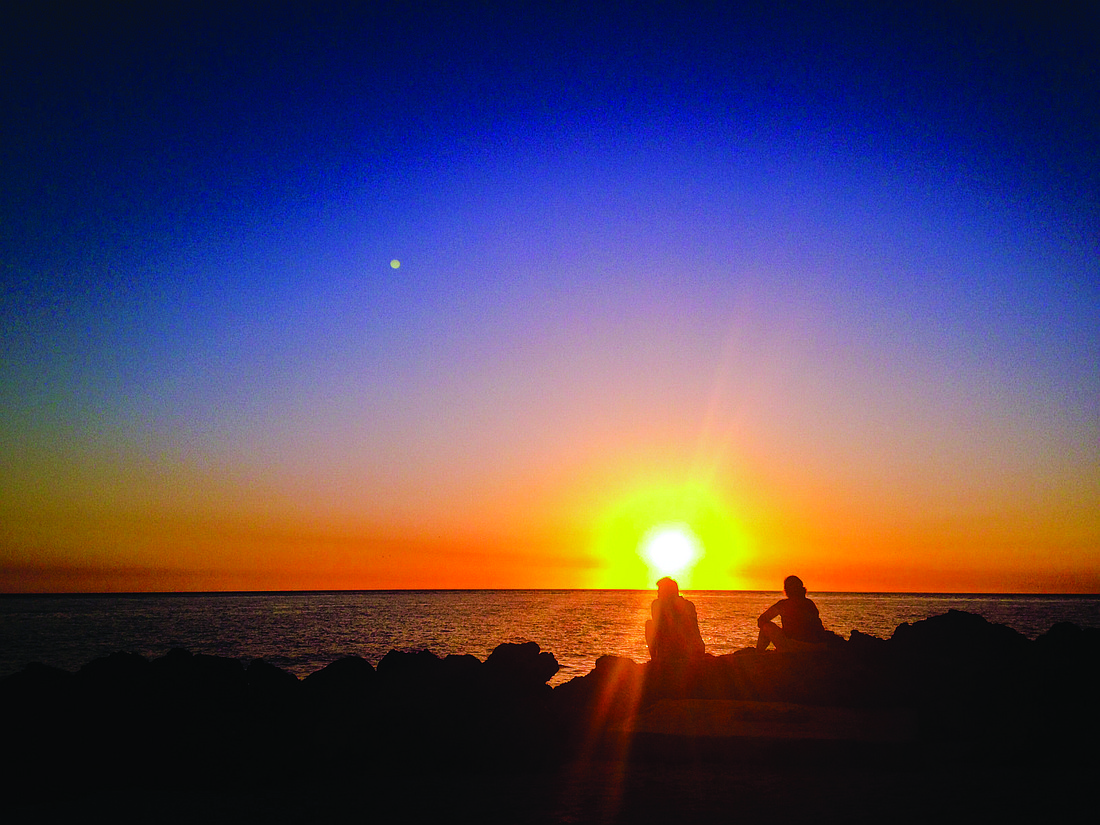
(974, 593)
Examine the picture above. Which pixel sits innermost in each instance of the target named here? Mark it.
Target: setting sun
(671, 550)
(684, 530)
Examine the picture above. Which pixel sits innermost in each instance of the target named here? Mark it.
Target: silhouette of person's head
(667, 588)
(793, 587)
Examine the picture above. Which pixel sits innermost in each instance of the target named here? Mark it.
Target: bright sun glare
(671, 549)
(684, 530)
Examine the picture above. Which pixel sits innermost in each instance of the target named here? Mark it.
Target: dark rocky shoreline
(975, 692)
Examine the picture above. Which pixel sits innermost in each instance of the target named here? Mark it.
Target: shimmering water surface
(303, 632)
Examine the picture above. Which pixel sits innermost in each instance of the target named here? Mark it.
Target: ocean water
(304, 631)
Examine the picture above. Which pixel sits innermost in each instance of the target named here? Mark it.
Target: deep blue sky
(840, 262)
(131, 120)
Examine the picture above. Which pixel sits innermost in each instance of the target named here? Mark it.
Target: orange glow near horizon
(548, 535)
(623, 550)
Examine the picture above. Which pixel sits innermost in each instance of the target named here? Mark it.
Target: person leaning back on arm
(800, 627)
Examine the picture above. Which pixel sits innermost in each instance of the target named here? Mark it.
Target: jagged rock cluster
(966, 679)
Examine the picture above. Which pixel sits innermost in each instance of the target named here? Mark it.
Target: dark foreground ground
(951, 720)
(597, 791)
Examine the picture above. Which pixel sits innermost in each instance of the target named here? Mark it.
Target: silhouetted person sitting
(673, 632)
(801, 626)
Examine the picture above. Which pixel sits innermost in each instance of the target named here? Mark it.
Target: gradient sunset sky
(819, 282)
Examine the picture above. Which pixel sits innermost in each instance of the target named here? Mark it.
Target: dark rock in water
(520, 666)
(350, 678)
(409, 664)
(609, 693)
(112, 703)
(462, 669)
(200, 699)
(866, 643)
(266, 682)
(201, 681)
(957, 632)
(339, 709)
(39, 703)
(513, 716)
(120, 677)
(1068, 661)
(120, 668)
(35, 681)
(966, 674)
(417, 670)
(463, 679)
(1070, 640)
(273, 694)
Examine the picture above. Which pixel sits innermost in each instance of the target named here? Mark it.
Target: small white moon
(395, 264)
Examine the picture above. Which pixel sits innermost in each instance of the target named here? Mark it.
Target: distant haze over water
(304, 631)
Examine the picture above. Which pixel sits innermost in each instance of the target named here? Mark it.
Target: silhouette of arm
(769, 614)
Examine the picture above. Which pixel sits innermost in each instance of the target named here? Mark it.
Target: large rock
(201, 675)
(33, 684)
(1072, 643)
(411, 672)
(520, 667)
(956, 633)
(345, 680)
(270, 684)
(117, 673)
(587, 705)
